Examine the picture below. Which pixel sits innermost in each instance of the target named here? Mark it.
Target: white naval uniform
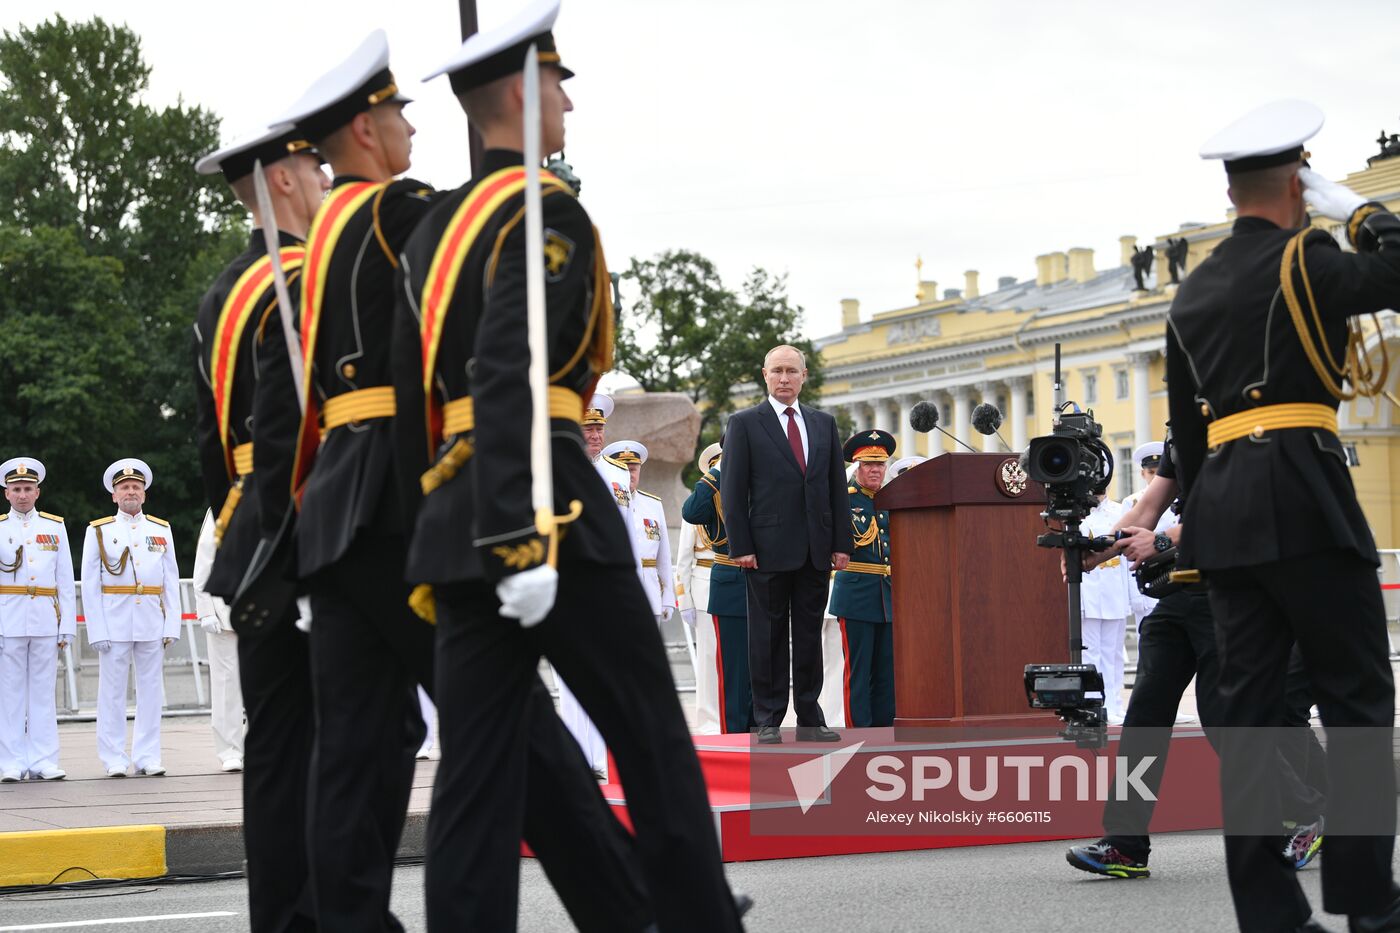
(225, 693)
(619, 482)
(693, 595)
(654, 548)
(134, 623)
(36, 546)
(1104, 603)
(1143, 605)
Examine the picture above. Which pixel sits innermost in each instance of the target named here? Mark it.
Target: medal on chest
(155, 544)
(653, 529)
(46, 542)
(621, 494)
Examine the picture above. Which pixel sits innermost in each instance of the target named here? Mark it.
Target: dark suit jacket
(772, 509)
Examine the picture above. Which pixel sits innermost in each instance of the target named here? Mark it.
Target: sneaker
(1304, 842)
(1104, 859)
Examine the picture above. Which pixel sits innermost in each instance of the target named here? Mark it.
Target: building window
(1125, 471)
(1120, 384)
(1091, 389)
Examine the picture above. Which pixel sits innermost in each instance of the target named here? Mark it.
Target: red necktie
(795, 439)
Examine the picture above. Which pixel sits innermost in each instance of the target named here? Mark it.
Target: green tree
(107, 240)
(686, 332)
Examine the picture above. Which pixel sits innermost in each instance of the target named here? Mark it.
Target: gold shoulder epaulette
(52, 517)
(158, 521)
(643, 492)
(102, 521)
(616, 463)
(852, 489)
(4, 517)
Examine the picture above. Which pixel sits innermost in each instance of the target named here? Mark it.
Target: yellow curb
(64, 855)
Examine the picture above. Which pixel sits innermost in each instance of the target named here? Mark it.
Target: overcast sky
(837, 141)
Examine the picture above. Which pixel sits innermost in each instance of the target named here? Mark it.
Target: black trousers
(775, 597)
(368, 654)
(1331, 604)
(610, 653)
(274, 670)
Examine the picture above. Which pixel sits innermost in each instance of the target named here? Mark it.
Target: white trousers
(111, 703)
(225, 696)
(429, 714)
(1103, 648)
(706, 676)
(581, 727)
(28, 716)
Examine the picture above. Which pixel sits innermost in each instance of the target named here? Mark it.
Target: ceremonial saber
(267, 220)
(541, 462)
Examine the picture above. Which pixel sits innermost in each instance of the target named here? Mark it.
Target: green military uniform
(861, 597)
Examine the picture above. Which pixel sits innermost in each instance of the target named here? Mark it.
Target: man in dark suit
(783, 485)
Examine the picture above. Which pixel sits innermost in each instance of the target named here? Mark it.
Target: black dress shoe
(742, 902)
(770, 735)
(1385, 920)
(817, 734)
(1312, 926)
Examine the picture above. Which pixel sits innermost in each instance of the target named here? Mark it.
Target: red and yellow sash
(335, 212)
(238, 308)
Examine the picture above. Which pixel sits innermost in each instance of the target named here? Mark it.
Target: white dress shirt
(779, 407)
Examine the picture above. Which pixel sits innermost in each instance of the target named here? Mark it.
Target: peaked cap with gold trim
(869, 447)
(495, 53)
(355, 85)
(21, 468)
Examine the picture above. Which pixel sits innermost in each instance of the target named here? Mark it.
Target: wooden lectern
(975, 600)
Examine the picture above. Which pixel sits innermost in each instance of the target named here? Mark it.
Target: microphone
(986, 419)
(923, 417)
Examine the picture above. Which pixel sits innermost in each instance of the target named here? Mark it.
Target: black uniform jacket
(350, 486)
(252, 352)
(1232, 346)
(479, 523)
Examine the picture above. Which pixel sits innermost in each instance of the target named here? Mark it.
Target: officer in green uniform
(728, 602)
(861, 596)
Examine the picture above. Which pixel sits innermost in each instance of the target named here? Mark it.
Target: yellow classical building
(971, 345)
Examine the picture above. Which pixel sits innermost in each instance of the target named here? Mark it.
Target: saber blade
(267, 219)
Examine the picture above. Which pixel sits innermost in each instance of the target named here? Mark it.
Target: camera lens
(1055, 461)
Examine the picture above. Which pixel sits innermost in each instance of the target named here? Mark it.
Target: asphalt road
(1017, 887)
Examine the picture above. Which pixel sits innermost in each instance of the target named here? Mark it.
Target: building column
(962, 414)
(1017, 415)
(1142, 398)
(934, 440)
(906, 433)
(885, 416)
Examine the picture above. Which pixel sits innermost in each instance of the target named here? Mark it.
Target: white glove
(667, 612)
(167, 642)
(688, 617)
(304, 614)
(102, 646)
(1327, 197)
(528, 595)
(210, 624)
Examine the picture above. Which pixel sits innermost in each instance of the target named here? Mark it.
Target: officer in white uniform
(694, 558)
(654, 546)
(1104, 601)
(225, 693)
(131, 599)
(902, 465)
(38, 616)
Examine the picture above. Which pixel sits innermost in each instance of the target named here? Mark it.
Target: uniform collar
(347, 180)
(1252, 224)
(493, 160)
(131, 519)
(868, 492)
(23, 516)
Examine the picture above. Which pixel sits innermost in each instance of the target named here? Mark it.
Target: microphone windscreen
(923, 417)
(986, 418)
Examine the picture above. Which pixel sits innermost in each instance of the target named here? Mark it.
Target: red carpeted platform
(769, 823)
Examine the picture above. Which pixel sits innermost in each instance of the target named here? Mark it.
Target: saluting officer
(238, 335)
(499, 602)
(131, 603)
(1272, 519)
(694, 559)
(657, 573)
(368, 650)
(38, 617)
(728, 604)
(861, 597)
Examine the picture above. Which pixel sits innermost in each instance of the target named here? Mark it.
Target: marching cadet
(238, 335)
(500, 602)
(728, 603)
(37, 619)
(131, 602)
(694, 560)
(861, 596)
(1272, 521)
(368, 651)
(657, 574)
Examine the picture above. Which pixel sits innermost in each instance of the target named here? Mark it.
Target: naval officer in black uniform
(236, 316)
(499, 604)
(1272, 518)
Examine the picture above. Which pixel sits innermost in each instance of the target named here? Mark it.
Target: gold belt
(724, 561)
(30, 591)
(1256, 422)
(648, 561)
(882, 570)
(459, 415)
(704, 562)
(140, 589)
(360, 405)
(243, 459)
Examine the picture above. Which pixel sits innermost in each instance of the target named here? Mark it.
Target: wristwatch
(1162, 543)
